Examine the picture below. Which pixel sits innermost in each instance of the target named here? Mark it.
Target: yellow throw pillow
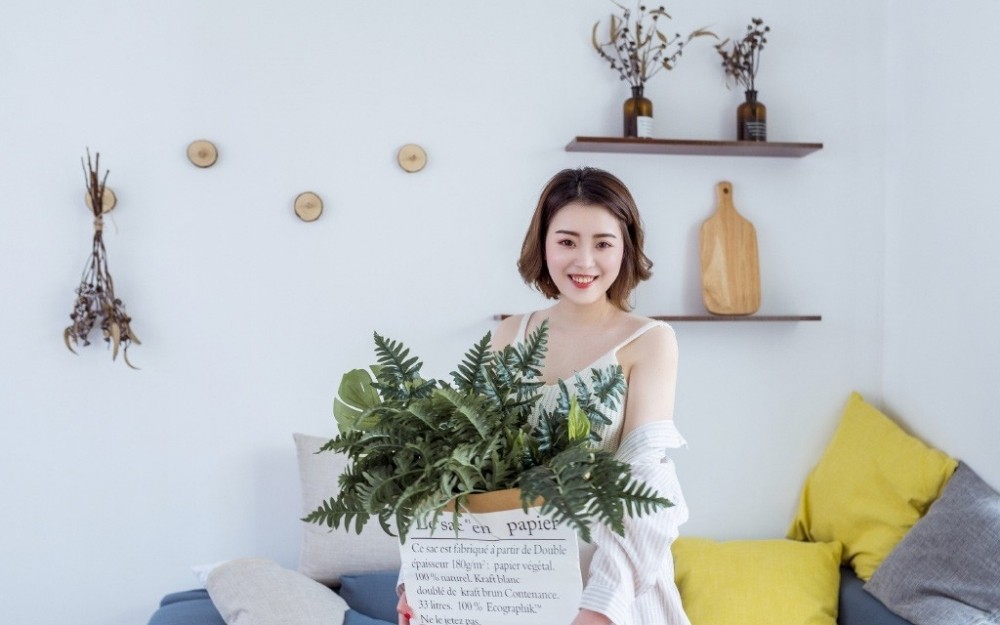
(758, 582)
(872, 484)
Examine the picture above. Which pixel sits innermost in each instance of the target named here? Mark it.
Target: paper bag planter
(497, 563)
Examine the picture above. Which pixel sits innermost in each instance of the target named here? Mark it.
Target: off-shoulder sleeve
(624, 567)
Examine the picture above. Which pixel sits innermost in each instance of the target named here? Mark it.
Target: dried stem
(742, 61)
(96, 301)
(639, 50)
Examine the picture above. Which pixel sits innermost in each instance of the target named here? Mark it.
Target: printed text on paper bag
(492, 567)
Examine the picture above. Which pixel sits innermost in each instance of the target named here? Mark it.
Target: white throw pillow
(255, 591)
(329, 553)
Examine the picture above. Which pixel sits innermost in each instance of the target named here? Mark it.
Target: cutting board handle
(724, 197)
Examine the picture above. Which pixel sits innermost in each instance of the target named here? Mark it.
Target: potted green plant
(415, 445)
(637, 49)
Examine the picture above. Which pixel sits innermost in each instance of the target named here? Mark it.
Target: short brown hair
(593, 187)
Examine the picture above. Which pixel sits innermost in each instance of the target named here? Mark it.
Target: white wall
(117, 481)
(942, 290)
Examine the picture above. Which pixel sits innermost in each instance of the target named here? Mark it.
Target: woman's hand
(589, 617)
(403, 609)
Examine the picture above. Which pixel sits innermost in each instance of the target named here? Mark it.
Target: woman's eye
(566, 242)
(604, 244)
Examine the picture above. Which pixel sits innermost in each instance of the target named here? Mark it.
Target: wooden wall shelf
(503, 316)
(697, 147)
(738, 318)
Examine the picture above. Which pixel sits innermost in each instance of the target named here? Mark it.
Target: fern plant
(414, 445)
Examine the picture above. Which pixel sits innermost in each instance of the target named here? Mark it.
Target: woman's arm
(651, 363)
(623, 567)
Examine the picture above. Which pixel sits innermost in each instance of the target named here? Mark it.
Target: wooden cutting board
(730, 271)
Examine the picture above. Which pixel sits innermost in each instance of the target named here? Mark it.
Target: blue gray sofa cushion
(372, 594)
(190, 607)
(858, 607)
(194, 607)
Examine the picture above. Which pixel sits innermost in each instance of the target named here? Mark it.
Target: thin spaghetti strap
(522, 330)
(645, 328)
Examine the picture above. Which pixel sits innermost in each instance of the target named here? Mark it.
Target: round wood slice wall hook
(308, 206)
(109, 200)
(412, 157)
(202, 153)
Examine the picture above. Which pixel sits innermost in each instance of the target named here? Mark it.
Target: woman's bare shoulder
(657, 342)
(655, 327)
(506, 331)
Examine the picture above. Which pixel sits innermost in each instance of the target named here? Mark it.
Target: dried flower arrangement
(96, 300)
(638, 49)
(742, 60)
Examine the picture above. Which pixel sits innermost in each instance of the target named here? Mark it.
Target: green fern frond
(393, 358)
(469, 376)
(333, 513)
(381, 485)
(609, 385)
(504, 469)
(419, 500)
(503, 370)
(640, 499)
(549, 430)
(330, 445)
(469, 407)
(398, 373)
(465, 465)
(562, 485)
(529, 354)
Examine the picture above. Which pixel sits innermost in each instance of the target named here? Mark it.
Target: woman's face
(584, 248)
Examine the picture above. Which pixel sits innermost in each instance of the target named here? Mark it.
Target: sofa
(887, 531)
(372, 601)
(275, 595)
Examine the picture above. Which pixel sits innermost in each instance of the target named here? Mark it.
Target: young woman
(584, 249)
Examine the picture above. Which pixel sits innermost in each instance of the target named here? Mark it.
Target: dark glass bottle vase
(638, 115)
(751, 119)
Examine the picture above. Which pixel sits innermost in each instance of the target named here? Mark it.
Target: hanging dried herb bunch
(742, 60)
(96, 300)
(636, 48)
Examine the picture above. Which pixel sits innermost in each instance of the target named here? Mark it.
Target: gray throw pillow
(947, 567)
(327, 553)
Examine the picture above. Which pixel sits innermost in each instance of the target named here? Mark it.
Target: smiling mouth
(582, 280)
